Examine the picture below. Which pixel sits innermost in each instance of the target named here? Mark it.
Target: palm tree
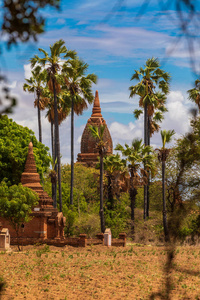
(136, 155)
(52, 64)
(163, 153)
(194, 94)
(116, 171)
(80, 91)
(97, 133)
(35, 85)
(63, 112)
(150, 78)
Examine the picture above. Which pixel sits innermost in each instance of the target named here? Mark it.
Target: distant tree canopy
(14, 141)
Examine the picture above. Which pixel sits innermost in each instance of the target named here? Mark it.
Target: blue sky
(114, 40)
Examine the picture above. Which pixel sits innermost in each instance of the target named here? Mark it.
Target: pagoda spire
(89, 152)
(96, 111)
(31, 179)
(30, 165)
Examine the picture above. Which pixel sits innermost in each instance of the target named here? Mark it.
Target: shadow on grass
(175, 222)
(2, 285)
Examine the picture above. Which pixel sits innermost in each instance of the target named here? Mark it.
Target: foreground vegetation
(97, 272)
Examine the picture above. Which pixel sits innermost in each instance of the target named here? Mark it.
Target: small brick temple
(89, 153)
(47, 222)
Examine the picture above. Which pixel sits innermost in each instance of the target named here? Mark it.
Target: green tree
(163, 153)
(82, 217)
(151, 101)
(52, 64)
(182, 169)
(97, 133)
(35, 85)
(136, 155)
(16, 204)
(14, 141)
(194, 94)
(80, 91)
(116, 172)
(63, 112)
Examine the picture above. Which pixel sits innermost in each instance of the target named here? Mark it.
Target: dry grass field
(97, 272)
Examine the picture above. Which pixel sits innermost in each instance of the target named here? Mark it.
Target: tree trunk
(17, 232)
(39, 121)
(165, 225)
(54, 183)
(132, 196)
(72, 152)
(145, 125)
(146, 143)
(57, 145)
(101, 213)
(110, 193)
(52, 141)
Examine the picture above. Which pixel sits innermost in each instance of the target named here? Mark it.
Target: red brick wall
(36, 228)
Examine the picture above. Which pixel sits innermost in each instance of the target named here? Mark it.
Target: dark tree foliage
(22, 22)
(14, 141)
(22, 19)
(7, 102)
(182, 169)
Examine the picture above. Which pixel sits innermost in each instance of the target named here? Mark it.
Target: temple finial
(96, 111)
(30, 148)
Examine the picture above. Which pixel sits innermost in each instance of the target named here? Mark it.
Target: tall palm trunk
(52, 141)
(148, 172)
(57, 145)
(146, 143)
(54, 181)
(72, 152)
(39, 120)
(145, 125)
(165, 225)
(132, 196)
(110, 192)
(101, 213)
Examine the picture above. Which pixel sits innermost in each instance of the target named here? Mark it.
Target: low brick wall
(80, 241)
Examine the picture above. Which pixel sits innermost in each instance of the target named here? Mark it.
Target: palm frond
(137, 113)
(94, 130)
(166, 136)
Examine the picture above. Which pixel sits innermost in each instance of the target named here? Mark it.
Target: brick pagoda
(89, 153)
(47, 222)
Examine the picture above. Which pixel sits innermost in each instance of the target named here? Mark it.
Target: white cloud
(121, 133)
(27, 71)
(110, 40)
(177, 117)
(12, 85)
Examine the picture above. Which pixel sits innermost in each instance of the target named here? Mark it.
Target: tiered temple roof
(31, 179)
